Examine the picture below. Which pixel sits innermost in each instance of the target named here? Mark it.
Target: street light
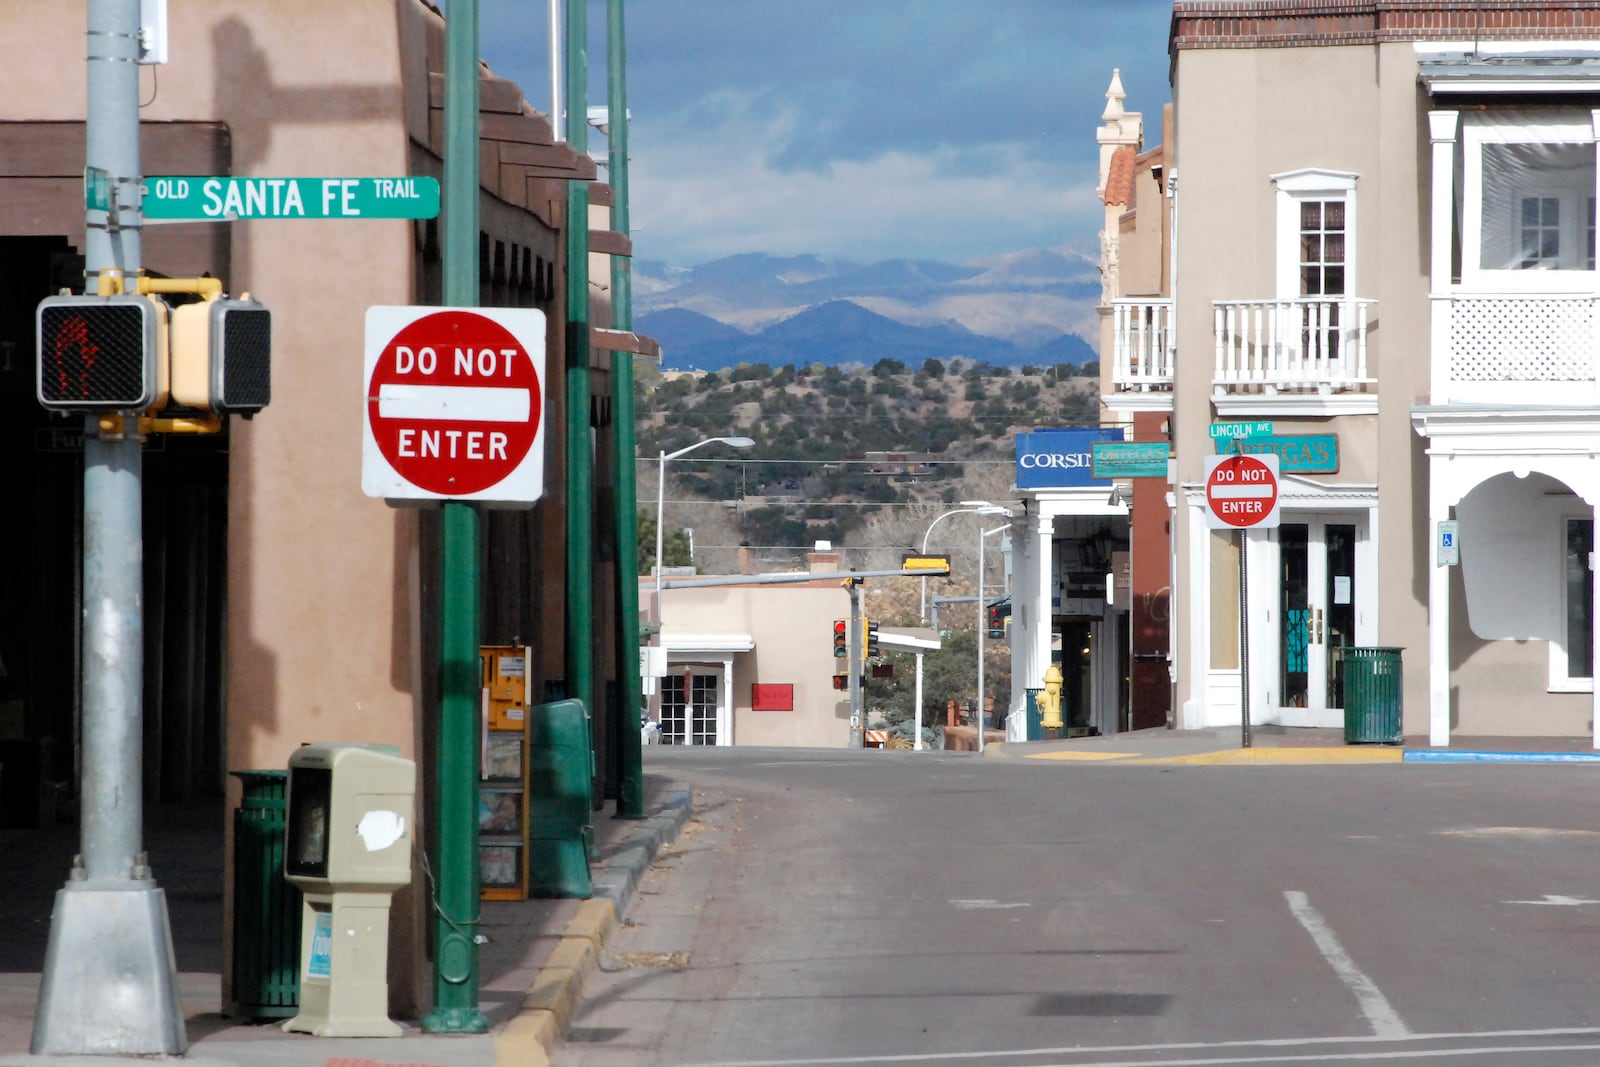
(983, 507)
(967, 508)
(661, 497)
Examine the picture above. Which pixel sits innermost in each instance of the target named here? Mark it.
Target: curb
(1446, 756)
(557, 989)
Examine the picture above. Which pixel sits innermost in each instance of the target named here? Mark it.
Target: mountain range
(1034, 307)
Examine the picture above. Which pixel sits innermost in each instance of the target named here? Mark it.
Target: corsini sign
(1056, 459)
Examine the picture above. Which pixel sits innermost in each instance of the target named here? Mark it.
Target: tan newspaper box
(348, 848)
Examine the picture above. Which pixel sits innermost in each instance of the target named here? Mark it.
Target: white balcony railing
(1499, 348)
(1143, 346)
(1304, 344)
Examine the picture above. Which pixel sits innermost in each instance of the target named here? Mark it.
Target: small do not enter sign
(454, 404)
(1242, 492)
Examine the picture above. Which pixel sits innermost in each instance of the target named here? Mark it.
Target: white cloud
(703, 191)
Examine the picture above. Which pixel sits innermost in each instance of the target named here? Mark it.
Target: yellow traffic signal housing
(222, 356)
(100, 353)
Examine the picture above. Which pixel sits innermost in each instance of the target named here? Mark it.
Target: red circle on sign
(454, 403)
(1241, 490)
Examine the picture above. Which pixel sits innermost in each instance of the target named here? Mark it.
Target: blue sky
(955, 130)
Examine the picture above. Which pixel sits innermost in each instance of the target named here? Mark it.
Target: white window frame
(1571, 129)
(1560, 680)
(1295, 187)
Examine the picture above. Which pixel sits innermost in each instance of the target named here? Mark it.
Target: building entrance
(1315, 616)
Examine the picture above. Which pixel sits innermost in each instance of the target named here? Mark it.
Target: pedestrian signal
(98, 353)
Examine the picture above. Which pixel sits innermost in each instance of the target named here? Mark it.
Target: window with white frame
(1528, 199)
(1572, 663)
(1315, 252)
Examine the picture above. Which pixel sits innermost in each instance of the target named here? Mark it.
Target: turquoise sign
(1296, 452)
(1129, 459)
(228, 199)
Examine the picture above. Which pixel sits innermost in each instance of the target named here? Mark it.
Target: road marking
(1065, 754)
(1211, 1049)
(1557, 902)
(1385, 1022)
(987, 905)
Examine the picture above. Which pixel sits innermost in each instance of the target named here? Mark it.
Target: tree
(674, 546)
(933, 368)
(951, 673)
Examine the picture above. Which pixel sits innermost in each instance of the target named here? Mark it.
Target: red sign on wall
(772, 696)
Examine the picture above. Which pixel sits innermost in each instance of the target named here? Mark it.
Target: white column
(1032, 647)
(1594, 617)
(1439, 500)
(1442, 132)
(916, 744)
(725, 705)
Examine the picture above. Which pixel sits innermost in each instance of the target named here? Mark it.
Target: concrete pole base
(110, 983)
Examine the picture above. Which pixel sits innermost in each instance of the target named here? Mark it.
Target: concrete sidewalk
(531, 970)
(1289, 745)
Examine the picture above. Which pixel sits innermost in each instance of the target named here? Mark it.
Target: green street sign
(1128, 459)
(1220, 430)
(217, 199)
(96, 189)
(1296, 452)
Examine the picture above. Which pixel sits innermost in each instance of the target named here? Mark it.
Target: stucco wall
(792, 626)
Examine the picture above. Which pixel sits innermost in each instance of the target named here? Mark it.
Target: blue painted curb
(1446, 756)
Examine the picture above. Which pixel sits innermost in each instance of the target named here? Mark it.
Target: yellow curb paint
(1085, 756)
(594, 921)
(526, 1040)
(571, 952)
(1296, 756)
(554, 990)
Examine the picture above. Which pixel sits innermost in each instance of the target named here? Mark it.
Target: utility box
(560, 799)
(348, 848)
(503, 788)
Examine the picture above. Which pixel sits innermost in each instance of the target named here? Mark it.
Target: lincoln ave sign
(454, 404)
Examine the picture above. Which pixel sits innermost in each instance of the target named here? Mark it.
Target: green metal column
(580, 448)
(630, 788)
(455, 948)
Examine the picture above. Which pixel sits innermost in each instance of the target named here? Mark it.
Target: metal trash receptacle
(266, 907)
(1035, 716)
(1372, 696)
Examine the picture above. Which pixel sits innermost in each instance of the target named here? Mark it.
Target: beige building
(282, 605)
(1376, 233)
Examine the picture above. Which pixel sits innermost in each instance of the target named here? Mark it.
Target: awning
(718, 643)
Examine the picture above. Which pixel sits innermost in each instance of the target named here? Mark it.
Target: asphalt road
(897, 907)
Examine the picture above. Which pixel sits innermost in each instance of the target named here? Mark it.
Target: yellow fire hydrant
(1050, 699)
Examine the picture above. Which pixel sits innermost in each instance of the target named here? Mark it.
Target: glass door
(1316, 616)
(690, 701)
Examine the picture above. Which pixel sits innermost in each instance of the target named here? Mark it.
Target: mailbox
(348, 848)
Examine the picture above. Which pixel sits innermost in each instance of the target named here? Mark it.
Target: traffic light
(99, 353)
(841, 641)
(222, 356)
(841, 681)
(872, 636)
(996, 623)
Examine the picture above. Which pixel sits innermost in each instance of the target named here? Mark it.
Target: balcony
(1537, 349)
(1143, 347)
(1288, 350)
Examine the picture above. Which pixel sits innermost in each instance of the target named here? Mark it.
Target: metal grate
(93, 354)
(246, 371)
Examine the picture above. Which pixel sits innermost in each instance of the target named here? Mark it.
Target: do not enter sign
(1241, 492)
(454, 404)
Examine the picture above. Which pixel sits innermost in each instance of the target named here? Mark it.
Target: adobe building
(281, 605)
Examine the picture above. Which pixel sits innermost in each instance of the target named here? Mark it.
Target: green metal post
(580, 454)
(630, 788)
(455, 946)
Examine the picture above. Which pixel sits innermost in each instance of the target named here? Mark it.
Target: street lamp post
(965, 509)
(983, 507)
(661, 499)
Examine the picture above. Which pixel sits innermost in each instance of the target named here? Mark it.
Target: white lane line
(1381, 1016)
(1216, 1052)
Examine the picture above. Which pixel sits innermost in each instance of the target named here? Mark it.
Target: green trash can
(1035, 716)
(560, 799)
(1372, 696)
(266, 907)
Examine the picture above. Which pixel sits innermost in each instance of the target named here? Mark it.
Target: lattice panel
(1522, 339)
